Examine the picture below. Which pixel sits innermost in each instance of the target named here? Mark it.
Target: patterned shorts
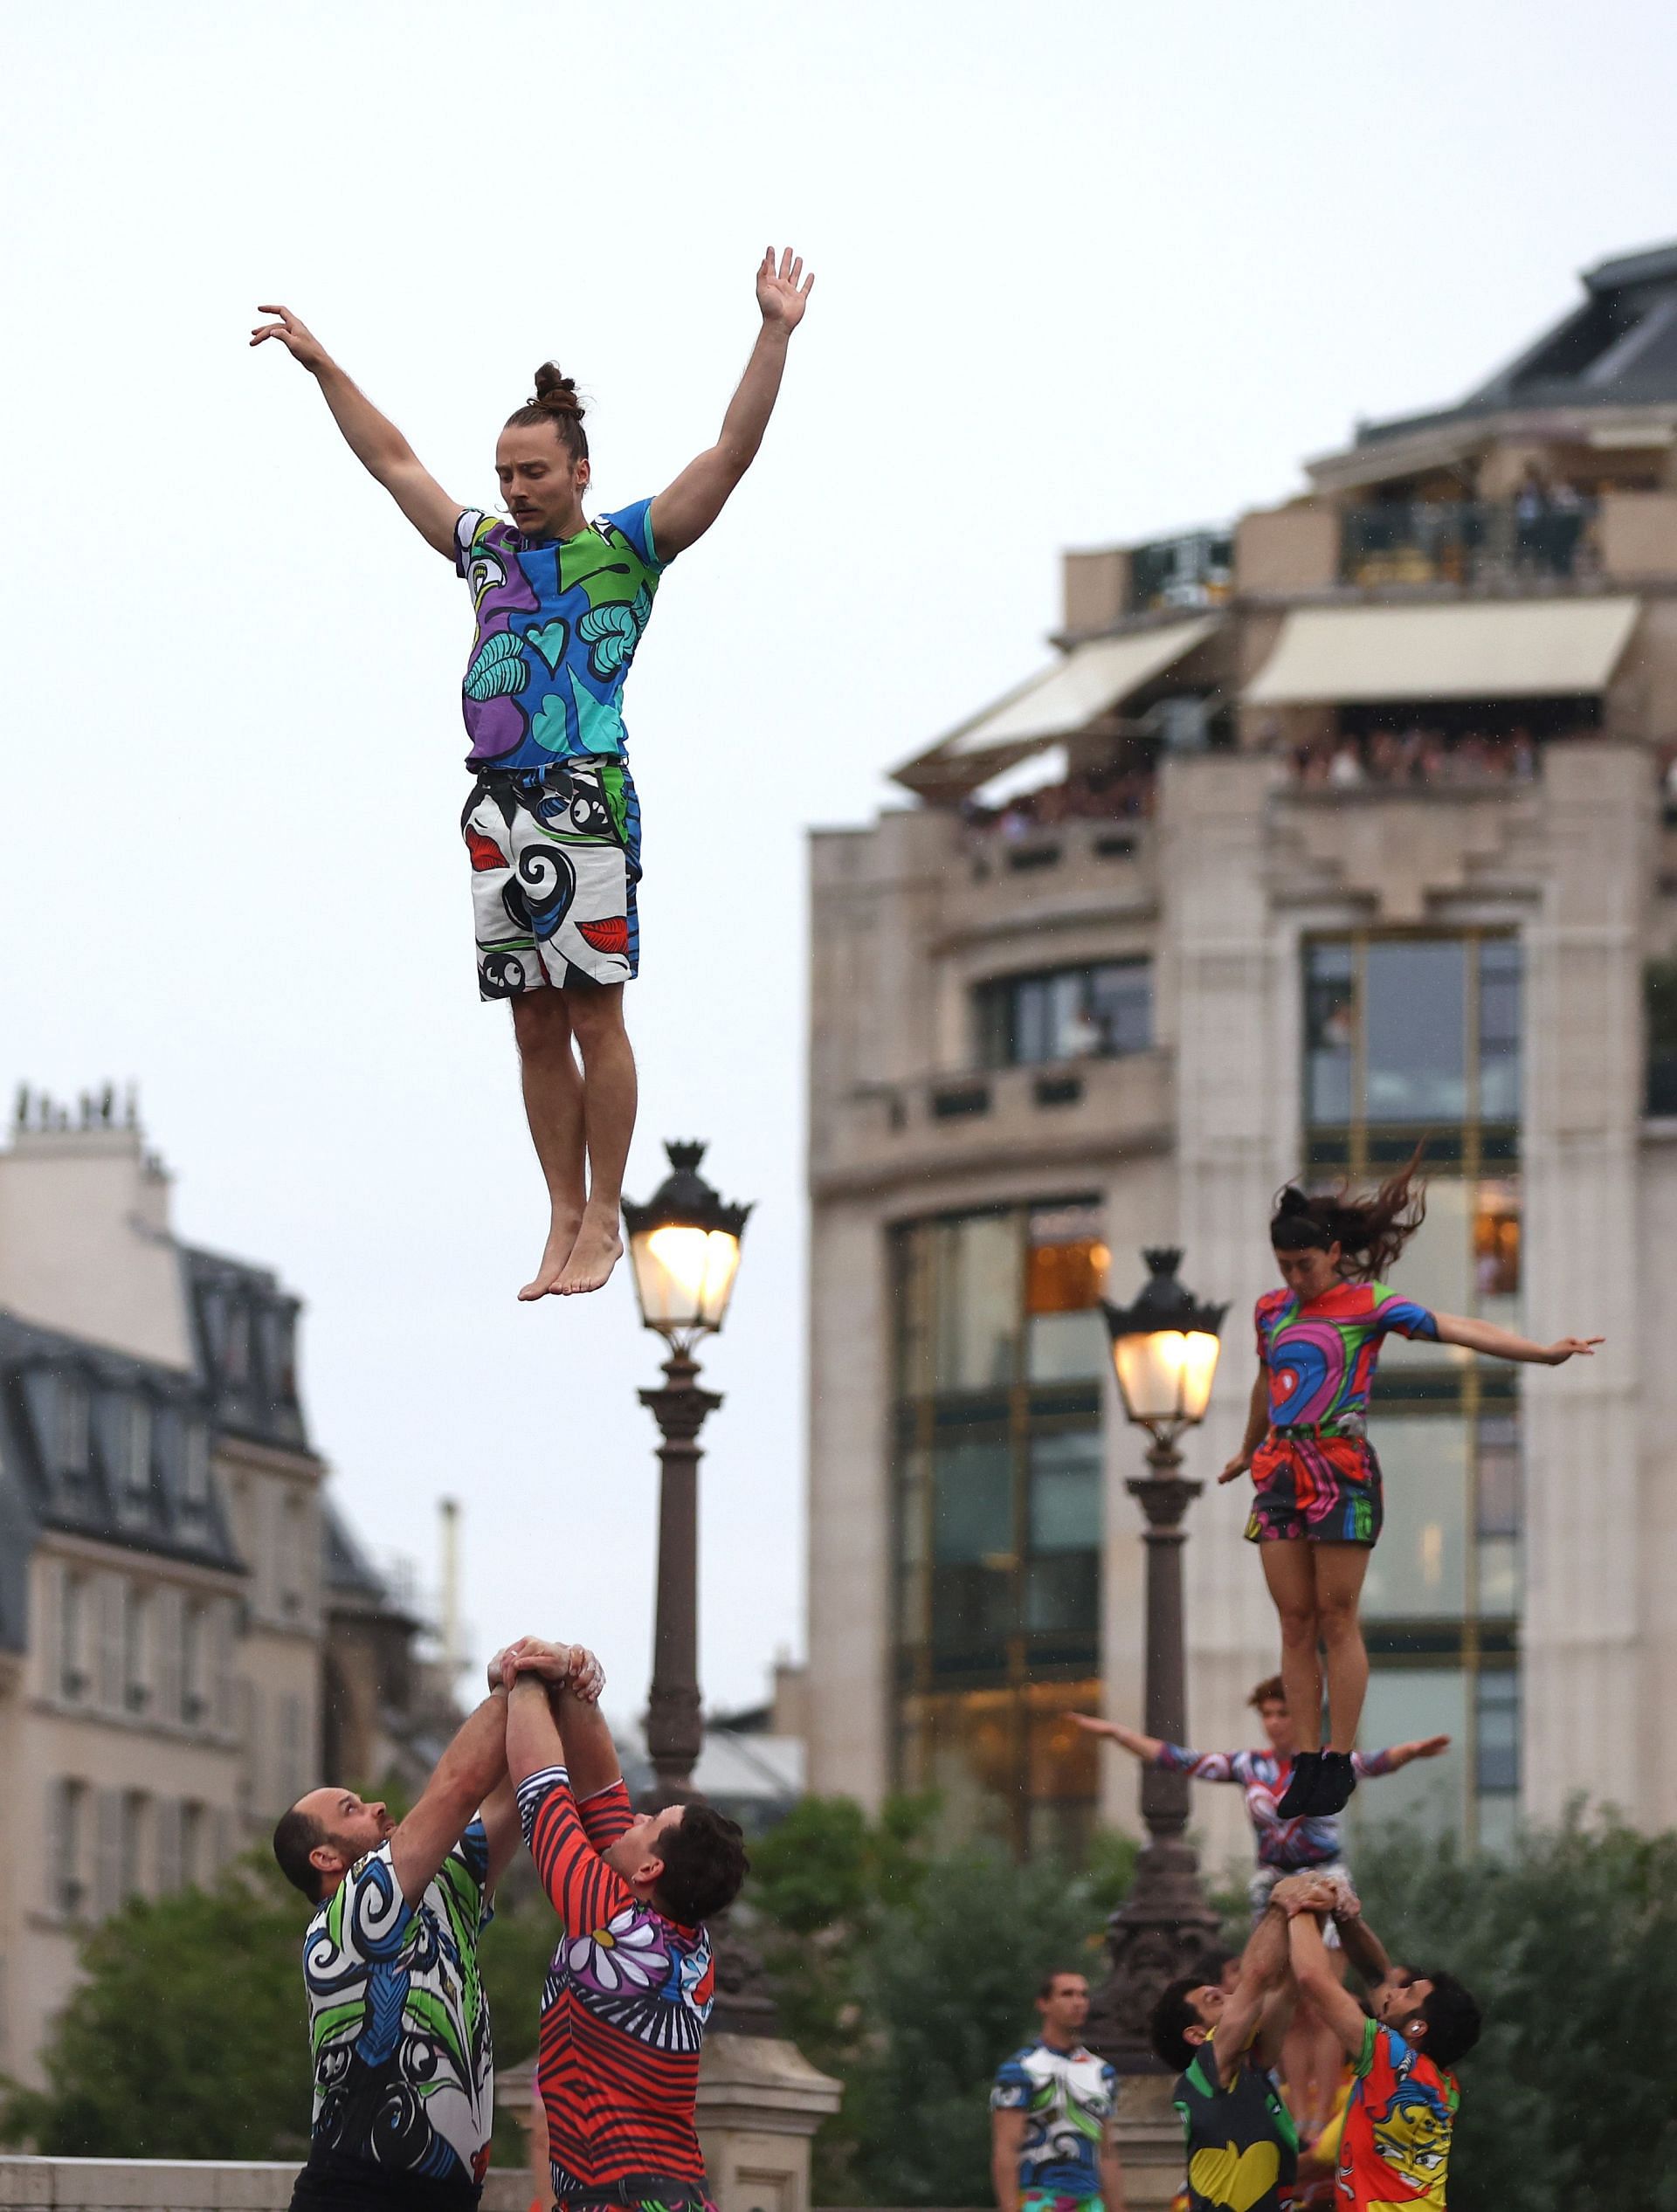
(1324, 1489)
(682, 2198)
(1264, 1880)
(555, 857)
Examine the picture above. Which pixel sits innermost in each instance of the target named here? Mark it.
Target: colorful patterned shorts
(555, 857)
(685, 2198)
(1324, 1489)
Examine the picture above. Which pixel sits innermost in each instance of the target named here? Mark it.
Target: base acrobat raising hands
(552, 826)
(1317, 1508)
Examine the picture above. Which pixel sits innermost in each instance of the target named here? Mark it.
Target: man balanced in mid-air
(552, 826)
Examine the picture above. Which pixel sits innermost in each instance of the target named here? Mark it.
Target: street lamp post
(1164, 1350)
(684, 1249)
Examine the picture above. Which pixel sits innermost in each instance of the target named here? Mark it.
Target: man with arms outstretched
(631, 1986)
(1395, 2146)
(399, 2026)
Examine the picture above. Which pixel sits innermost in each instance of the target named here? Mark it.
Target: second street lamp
(1164, 1350)
(684, 1246)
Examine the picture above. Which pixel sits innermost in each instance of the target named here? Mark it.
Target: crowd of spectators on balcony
(1102, 794)
(1417, 755)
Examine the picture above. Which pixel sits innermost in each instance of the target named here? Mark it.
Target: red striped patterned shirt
(623, 2009)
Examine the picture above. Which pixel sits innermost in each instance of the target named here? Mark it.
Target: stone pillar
(759, 2101)
(1584, 1729)
(1147, 2134)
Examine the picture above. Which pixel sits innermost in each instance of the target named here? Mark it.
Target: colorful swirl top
(558, 623)
(1394, 2147)
(624, 2010)
(1067, 2097)
(1311, 1839)
(399, 2025)
(1320, 1357)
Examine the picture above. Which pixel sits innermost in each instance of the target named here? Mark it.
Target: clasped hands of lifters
(572, 1667)
(1323, 1893)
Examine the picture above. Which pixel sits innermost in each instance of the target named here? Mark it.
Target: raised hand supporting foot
(595, 1253)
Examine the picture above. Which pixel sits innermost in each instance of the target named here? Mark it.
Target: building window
(130, 1858)
(1065, 1014)
(194, 1703)
(1412, 1037)
(136, 1453)
(73, 1626)
(1001, 1347)
(74, 1426)
(194, 1863)
(195, 1471)
(137, 1632)
(67, 1847)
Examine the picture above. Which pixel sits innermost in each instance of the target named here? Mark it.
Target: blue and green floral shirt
(558, 623)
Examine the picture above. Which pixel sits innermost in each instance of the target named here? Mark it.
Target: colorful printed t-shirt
(1312, 1839)
(1067, 2097)
(558, 622)
(1320, 1357)
(623, 2009)
(1242, 2147)
(398, 2024)
(1395, 2149)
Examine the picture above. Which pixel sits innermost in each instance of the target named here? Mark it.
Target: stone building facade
(1338, 830)
(176, 1593)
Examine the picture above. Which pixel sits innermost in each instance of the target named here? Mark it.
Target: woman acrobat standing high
(552, 827)
(1317, 1510)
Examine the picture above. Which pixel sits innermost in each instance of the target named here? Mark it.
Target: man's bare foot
(597, 1252)
(561, 1237)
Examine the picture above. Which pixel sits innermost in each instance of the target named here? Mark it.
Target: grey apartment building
(1339, 828)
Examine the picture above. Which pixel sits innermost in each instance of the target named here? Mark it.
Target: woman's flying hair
(554, 400)
(1370, 1232)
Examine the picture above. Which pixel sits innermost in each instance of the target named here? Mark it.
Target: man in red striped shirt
(631, 1986)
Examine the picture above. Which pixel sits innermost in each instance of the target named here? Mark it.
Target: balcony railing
(1469, 540)
(1194, 570)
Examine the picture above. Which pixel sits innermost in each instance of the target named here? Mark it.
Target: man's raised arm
(687, 508)
(372, 438)
(465, 1775)
(1314, 1971)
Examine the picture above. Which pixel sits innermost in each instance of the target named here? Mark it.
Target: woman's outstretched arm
(372, 438)
(1148, 1747)
(1503, 1344)
(687, 508)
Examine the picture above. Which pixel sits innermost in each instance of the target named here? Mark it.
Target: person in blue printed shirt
(1050, 2114)
(552, 826)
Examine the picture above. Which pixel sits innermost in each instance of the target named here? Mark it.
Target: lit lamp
(1164, 1350)
(684, 1247)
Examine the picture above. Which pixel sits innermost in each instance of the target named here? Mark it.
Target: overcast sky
(1085, 272)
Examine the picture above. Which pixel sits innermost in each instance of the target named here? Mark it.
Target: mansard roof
(244, 1333)
(136, 1475)
(1616, 348)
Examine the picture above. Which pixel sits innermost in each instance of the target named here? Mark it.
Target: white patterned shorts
(556, 858)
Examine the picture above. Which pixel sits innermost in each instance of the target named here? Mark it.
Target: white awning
(1034, 773)
(1068, 697)
(1521, 648)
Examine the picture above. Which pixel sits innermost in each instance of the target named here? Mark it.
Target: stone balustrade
(164, 2185)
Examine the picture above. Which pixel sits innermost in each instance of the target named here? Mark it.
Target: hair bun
(556, 391)
(1293, 1200)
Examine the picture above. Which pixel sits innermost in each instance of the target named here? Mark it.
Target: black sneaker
(1301, 1790)
(1336, 1779)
